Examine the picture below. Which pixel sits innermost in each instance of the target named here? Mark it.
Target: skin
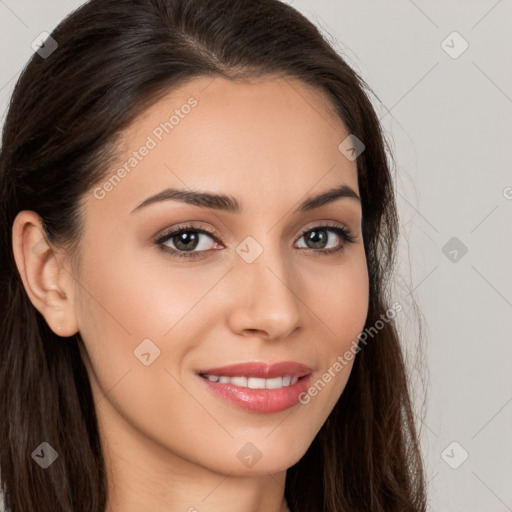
(170, 444)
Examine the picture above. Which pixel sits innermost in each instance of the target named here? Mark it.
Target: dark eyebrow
(232, 205)
(328, 197)
(201, 199)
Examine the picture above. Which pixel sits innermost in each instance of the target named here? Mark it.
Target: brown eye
(187, 242)
(191, 242)
(318, 238)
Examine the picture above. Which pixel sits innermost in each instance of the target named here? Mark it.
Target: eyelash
(344, 233)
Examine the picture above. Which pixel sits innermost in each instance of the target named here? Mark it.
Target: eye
(187, 241)
(190, 241)
(318, 239)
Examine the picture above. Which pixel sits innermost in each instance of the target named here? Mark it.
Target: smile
(257, 386)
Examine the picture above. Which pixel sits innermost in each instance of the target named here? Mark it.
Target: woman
(198, 227)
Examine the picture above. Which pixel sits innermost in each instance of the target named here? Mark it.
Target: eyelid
(323, 224)
(184, 227)
(216, 235)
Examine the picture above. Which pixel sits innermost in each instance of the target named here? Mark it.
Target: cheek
(129, 311)
(132, 295)
(340, 299)
(118, 308)
(129, 306)
(352, 298)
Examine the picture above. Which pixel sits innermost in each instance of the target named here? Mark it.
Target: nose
(264, 300)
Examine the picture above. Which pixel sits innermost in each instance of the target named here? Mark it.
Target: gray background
(449, 122)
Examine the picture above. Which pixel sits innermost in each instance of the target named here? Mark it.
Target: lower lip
(260, 400)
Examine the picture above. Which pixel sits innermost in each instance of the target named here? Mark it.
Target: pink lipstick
(259, 387)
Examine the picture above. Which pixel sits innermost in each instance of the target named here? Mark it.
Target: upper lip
(259, 370)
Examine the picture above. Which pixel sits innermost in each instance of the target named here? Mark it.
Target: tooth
(255, 383)
(277, 382)
(239, 381)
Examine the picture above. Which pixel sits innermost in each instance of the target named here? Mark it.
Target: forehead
(267, 138)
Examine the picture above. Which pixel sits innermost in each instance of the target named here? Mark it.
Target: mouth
(259, 387)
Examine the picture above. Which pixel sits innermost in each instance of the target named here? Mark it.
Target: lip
(259, 400)
(260, 370)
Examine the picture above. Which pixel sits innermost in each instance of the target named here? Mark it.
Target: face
(170, 289)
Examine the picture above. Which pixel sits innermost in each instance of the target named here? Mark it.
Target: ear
(48, 283)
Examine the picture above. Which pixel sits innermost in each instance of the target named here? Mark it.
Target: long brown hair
(114, 59)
